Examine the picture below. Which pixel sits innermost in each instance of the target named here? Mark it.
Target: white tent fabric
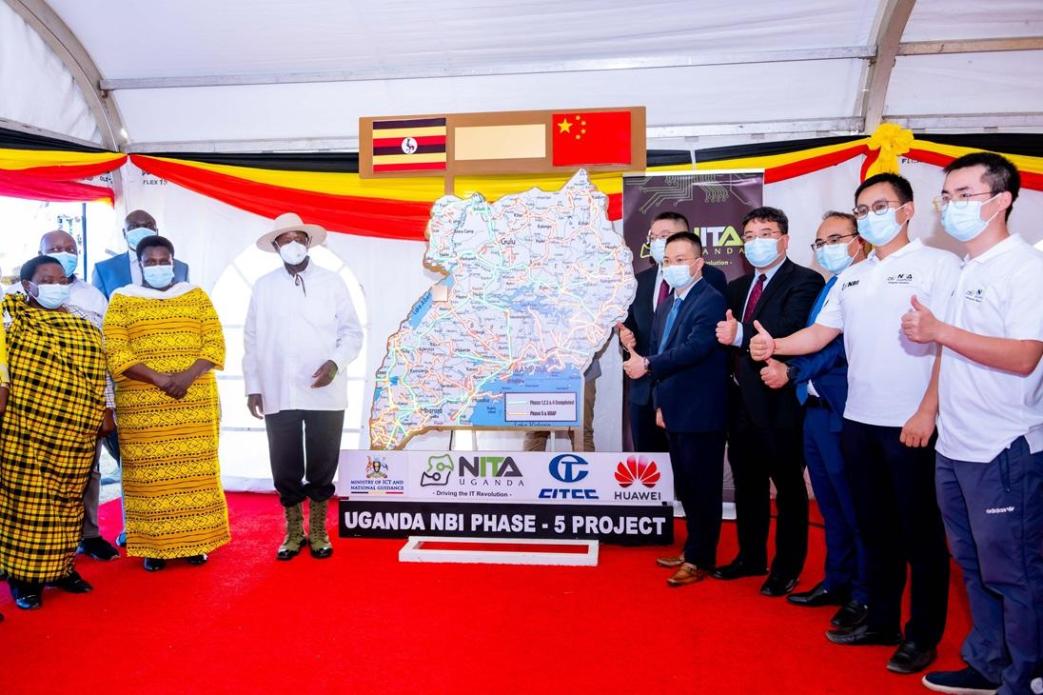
(35, 87)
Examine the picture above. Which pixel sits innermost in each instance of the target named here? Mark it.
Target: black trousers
(892, 487)
(304, 445)
(760, 456)
(647, 436)
(697, 459)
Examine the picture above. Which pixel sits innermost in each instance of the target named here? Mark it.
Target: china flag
(598, 137)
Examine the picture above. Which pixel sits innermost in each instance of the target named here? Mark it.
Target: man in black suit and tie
(652, 291)
(688, 372)
(764, 429)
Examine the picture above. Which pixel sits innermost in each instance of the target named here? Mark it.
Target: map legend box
(541, 407)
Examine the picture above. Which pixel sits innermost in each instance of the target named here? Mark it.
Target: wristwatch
(791, 373)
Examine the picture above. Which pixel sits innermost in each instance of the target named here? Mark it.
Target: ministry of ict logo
(637, 470)
(376, 468)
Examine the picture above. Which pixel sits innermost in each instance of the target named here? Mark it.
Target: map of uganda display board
(535, 283)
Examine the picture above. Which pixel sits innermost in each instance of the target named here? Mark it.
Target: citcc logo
(637, 470)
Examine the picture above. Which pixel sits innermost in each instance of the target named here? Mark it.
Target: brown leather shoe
(670, 562)
(688, 574)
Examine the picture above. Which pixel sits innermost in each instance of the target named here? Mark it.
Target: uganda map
(534, 284)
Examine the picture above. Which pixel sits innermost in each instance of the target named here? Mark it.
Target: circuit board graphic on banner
(534, 284)
(533, 477)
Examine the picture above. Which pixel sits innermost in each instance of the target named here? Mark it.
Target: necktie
(664, 292)
(802, 387)
(675, 309)
(755, 296)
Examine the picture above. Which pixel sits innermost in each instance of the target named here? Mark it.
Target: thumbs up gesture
(774, 374)
(762, 345)
(919, 324)
(727, 329)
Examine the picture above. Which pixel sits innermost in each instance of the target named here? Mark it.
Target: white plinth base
(464, 552)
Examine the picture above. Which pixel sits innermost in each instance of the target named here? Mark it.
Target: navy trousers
(646, 435)
(846, 567)
(892, 486)
(993, 515)
(697, 459)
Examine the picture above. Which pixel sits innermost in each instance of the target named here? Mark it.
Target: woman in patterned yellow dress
(55, 410)
(162, 341)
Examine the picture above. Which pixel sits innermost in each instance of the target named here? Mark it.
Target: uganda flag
(592, 138)
(415, 144)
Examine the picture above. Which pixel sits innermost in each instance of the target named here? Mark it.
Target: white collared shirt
(87, 297)
(887, 373)
(135, 267)
(982, 410)
(769, 274)
(291, 330)
(659, 280)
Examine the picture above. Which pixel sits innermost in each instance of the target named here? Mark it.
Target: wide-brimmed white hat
(291, 222)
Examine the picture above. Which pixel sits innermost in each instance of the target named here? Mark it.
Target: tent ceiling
(267, 71)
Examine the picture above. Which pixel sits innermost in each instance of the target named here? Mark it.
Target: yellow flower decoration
(892, 141)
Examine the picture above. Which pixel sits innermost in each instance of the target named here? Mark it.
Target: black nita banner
(632, 525)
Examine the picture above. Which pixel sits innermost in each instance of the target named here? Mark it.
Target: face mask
(134, 236)
(293, 253)
(657, 249)
(964, 224)
(677, 275)
(52, 296)
(761, 252)
(68, 261)
(879, 230)
(834, 257)
(158, 276)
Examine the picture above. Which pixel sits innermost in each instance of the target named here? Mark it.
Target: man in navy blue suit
(122, 270)
(653, 290)
(821, 387)
(688, 372)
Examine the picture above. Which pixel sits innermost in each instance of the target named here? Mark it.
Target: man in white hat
(301, 334)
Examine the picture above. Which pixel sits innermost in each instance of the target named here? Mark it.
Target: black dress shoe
(776, 585)
(197, 559)
(862, 636)
(26, 595)
(818, 596)
(72, 583)
(98, 548)
(851, 615)
(911, 657)
(739, 569)
(154, 564)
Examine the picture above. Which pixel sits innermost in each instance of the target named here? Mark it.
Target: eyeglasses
(959, 201)
(750, 236)
(830, 240)
(878, 208)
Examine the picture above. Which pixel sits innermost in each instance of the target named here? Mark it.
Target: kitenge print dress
(172, 496)
(48, 436)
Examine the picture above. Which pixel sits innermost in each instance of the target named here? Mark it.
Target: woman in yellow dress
(162, 341)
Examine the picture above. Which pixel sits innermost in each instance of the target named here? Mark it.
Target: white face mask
(293, 253)
(965, 223)
(657, 249)
(880, 230)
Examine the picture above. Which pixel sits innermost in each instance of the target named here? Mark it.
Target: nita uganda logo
(640, 470)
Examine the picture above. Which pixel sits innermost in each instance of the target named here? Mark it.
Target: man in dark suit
(764, 429)
(122, 270)
(652, 291)
(688, 372)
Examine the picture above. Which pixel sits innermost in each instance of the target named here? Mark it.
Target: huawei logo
(639, 470)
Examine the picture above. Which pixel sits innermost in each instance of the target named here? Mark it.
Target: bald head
(57, 241)
(139, 218)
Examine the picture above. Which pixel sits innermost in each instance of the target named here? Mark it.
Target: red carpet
(361, 622)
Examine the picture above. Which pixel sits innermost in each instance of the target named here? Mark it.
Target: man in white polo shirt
(990, 428)
(889, 419)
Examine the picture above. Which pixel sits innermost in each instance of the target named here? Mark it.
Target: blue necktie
(802, 387)
(675, 309)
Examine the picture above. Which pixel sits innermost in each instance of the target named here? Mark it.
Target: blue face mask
(834, 257)
(879, 230)
(158, 276)
(965, 223)
(677, 275)
(68, 261)
(761, 252)
(657, 249)
(134, 236)
(52, 296)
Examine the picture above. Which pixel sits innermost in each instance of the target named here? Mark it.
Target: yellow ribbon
(892, 141)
